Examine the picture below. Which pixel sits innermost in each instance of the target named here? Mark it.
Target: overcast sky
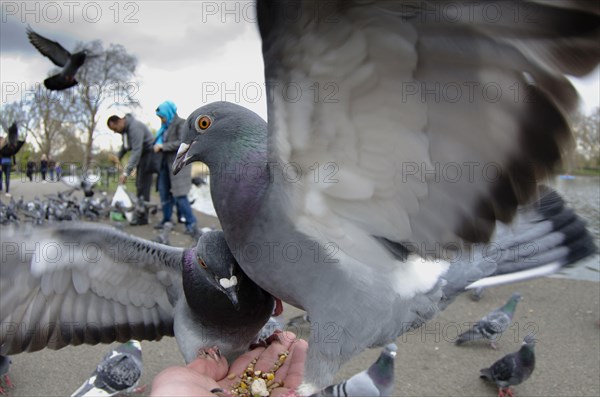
(191, 52)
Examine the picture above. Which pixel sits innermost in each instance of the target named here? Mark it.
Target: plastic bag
(122, 197)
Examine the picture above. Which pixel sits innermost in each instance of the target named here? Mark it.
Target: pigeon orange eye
(202, 263)
(202, 123)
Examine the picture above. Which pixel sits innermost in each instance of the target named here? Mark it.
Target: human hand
(158, 147)
(122, 179)
(204, 375)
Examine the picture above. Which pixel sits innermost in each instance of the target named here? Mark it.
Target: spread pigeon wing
(81, 283)
(51, 49)
(419, 122)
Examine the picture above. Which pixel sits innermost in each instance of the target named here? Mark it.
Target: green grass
(587, 172)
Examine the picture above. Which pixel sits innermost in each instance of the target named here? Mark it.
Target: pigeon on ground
(70, 63)
(119, 372)
(400, 133)
(493, 324)
(5, 363)
(512, 369)
(73, 283)
(163, 235)
(378, 380)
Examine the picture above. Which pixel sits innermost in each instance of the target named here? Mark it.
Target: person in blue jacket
(173, 189)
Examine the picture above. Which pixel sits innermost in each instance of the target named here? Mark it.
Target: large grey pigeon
(399, 133)
(74, 283)
(512, 369)
(118, 372)
(493, 324)
(70, 63)
(377, 380)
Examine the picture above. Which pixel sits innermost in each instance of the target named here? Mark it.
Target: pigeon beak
(232, 295)
(181, 158)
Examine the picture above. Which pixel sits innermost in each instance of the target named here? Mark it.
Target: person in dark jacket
(6, 163)
(44, 167)
(138, 139)
(30, 169)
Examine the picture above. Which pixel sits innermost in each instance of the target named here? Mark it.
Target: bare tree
(586, 132)
(104, 81)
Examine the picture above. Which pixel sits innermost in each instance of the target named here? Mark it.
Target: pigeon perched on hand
(493, 324)
(378, 380)
(392, 156)
(74, 283)
(69, 63)
(119, 372)
(4, 377)
(512, 369)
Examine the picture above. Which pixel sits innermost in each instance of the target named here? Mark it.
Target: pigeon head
(221, 132)
(213, 264)
(383, 369)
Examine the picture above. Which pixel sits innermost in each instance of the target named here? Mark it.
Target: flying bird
(13, 144)
(512, 369)
(400, 133)
(74, 283)
(70, 63)
(13, 134)
(118, 372)
(377, 380)
(493, 324)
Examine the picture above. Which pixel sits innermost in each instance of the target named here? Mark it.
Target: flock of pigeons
(370, 219)
(63, 206)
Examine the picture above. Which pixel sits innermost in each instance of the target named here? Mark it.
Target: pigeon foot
(494, 346)
(507, 390)
(8, 382)
(211, 352)
(267, 342)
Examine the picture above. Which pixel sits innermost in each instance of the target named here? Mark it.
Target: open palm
(204, 375)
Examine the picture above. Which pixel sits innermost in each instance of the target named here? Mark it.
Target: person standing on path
(44, 167)
(173, 189)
